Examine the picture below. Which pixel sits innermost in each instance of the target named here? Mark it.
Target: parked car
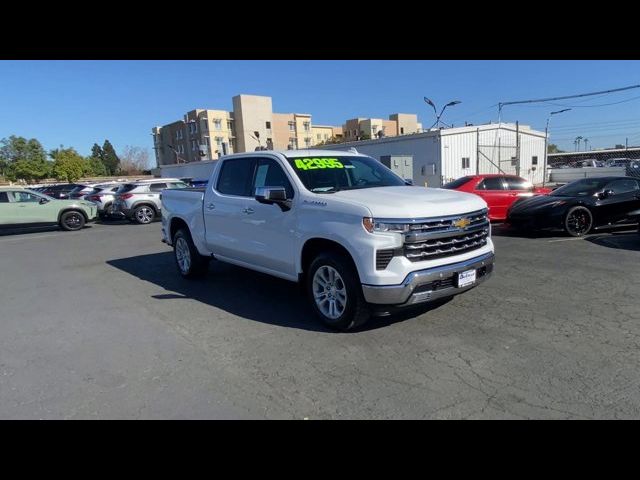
(498, 190)
(103, 196)
(140, 201)
(580, 206)
(342, 224)
(617, 162)
(20, 207)
(60, 191)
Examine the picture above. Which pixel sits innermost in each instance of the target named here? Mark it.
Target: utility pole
(546, 143)
(517, 148)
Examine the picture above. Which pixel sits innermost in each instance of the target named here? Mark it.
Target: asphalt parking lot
(97, 324)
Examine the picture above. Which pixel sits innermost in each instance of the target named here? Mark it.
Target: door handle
(211, 206)
(248, 210)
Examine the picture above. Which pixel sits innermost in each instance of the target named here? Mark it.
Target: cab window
(270, 174)
(236, 177)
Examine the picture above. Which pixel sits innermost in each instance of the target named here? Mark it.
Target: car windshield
(332, 174)
(39, 194)
(456, 183)
(581, 188)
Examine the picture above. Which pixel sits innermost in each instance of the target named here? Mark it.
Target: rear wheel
(144, 214)
(72, 221)
(335, 292)
(188, 260)
(578, 221)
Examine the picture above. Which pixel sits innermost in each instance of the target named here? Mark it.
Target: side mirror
(605, 194)
(273, 195)
(43, 201)
(408, 181)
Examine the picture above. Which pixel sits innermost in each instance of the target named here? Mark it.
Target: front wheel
(72, 221)
(335, 292)
(578, 221)
(188, 260)
(144, 214)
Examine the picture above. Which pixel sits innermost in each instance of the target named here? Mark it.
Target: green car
(20, 207)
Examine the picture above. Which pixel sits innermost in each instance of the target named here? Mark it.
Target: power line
(545, 100)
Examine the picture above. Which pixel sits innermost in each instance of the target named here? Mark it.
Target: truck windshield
(332, 174)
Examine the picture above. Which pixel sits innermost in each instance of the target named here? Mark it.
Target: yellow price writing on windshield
(315, 163)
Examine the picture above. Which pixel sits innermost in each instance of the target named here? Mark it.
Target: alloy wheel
(329, 292)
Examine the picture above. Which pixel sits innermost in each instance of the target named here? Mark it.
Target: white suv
(140, 201)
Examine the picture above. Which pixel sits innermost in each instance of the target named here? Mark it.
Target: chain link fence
(566, 168)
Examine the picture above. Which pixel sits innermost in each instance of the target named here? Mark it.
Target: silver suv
(140, 201)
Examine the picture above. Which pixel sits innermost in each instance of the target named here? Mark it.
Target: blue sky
(77, 103)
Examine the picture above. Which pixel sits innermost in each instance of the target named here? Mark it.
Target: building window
(306, 126)
(401, 130)
(465, 162)
(534, 160)
(292, 126)
(207, 141)
(319, 136)
(326, 136)
(307, 142)
(229, 125)
(514, 161)
(217, 124)
(268, 124)
(219, 141)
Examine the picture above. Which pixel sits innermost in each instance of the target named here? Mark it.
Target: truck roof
(299, 153)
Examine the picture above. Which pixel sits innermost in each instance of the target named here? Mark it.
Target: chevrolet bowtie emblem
(462, 223)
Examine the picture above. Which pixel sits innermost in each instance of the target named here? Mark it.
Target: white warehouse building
(439, 156)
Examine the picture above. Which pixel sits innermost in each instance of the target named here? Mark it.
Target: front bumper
(430, 284)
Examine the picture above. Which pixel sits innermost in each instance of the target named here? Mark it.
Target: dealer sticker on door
(466, 278)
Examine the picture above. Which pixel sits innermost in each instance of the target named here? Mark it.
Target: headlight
(372, 225)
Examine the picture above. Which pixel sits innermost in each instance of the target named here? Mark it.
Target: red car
(498, 190)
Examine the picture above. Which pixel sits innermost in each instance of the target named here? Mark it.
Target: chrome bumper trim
(402, 294)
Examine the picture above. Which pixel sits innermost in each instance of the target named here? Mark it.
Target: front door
(268, 229)
(623, 204)
(26, 208)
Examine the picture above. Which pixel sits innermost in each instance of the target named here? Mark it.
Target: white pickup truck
(360, 239)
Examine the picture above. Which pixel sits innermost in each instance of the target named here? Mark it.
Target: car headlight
(372, 225)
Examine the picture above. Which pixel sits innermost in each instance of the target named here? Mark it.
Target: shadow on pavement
(239, 291)
(622, 241)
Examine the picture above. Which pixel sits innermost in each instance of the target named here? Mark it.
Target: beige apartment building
(252, 124)
(398, 124)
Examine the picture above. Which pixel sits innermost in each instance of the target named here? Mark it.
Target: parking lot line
(566, 239)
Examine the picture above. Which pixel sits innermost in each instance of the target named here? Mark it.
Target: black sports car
(580, 206)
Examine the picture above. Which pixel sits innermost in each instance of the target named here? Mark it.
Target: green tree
(94, 167)
(110, 158)
(23, 159)
(68, 165)
(553, 148)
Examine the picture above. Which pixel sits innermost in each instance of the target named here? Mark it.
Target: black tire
(356, 310)
(72, 221)
(143, 214)
(183, 245)
(578, 221)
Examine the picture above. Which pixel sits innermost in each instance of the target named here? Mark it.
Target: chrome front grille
(436, 238)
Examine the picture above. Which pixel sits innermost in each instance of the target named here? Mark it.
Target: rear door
(225, 208)
(493, 191)
(516, 188)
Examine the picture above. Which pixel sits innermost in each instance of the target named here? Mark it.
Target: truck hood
(413, 202)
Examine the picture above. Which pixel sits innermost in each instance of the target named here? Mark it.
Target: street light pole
(438, 115)
(546, 143)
